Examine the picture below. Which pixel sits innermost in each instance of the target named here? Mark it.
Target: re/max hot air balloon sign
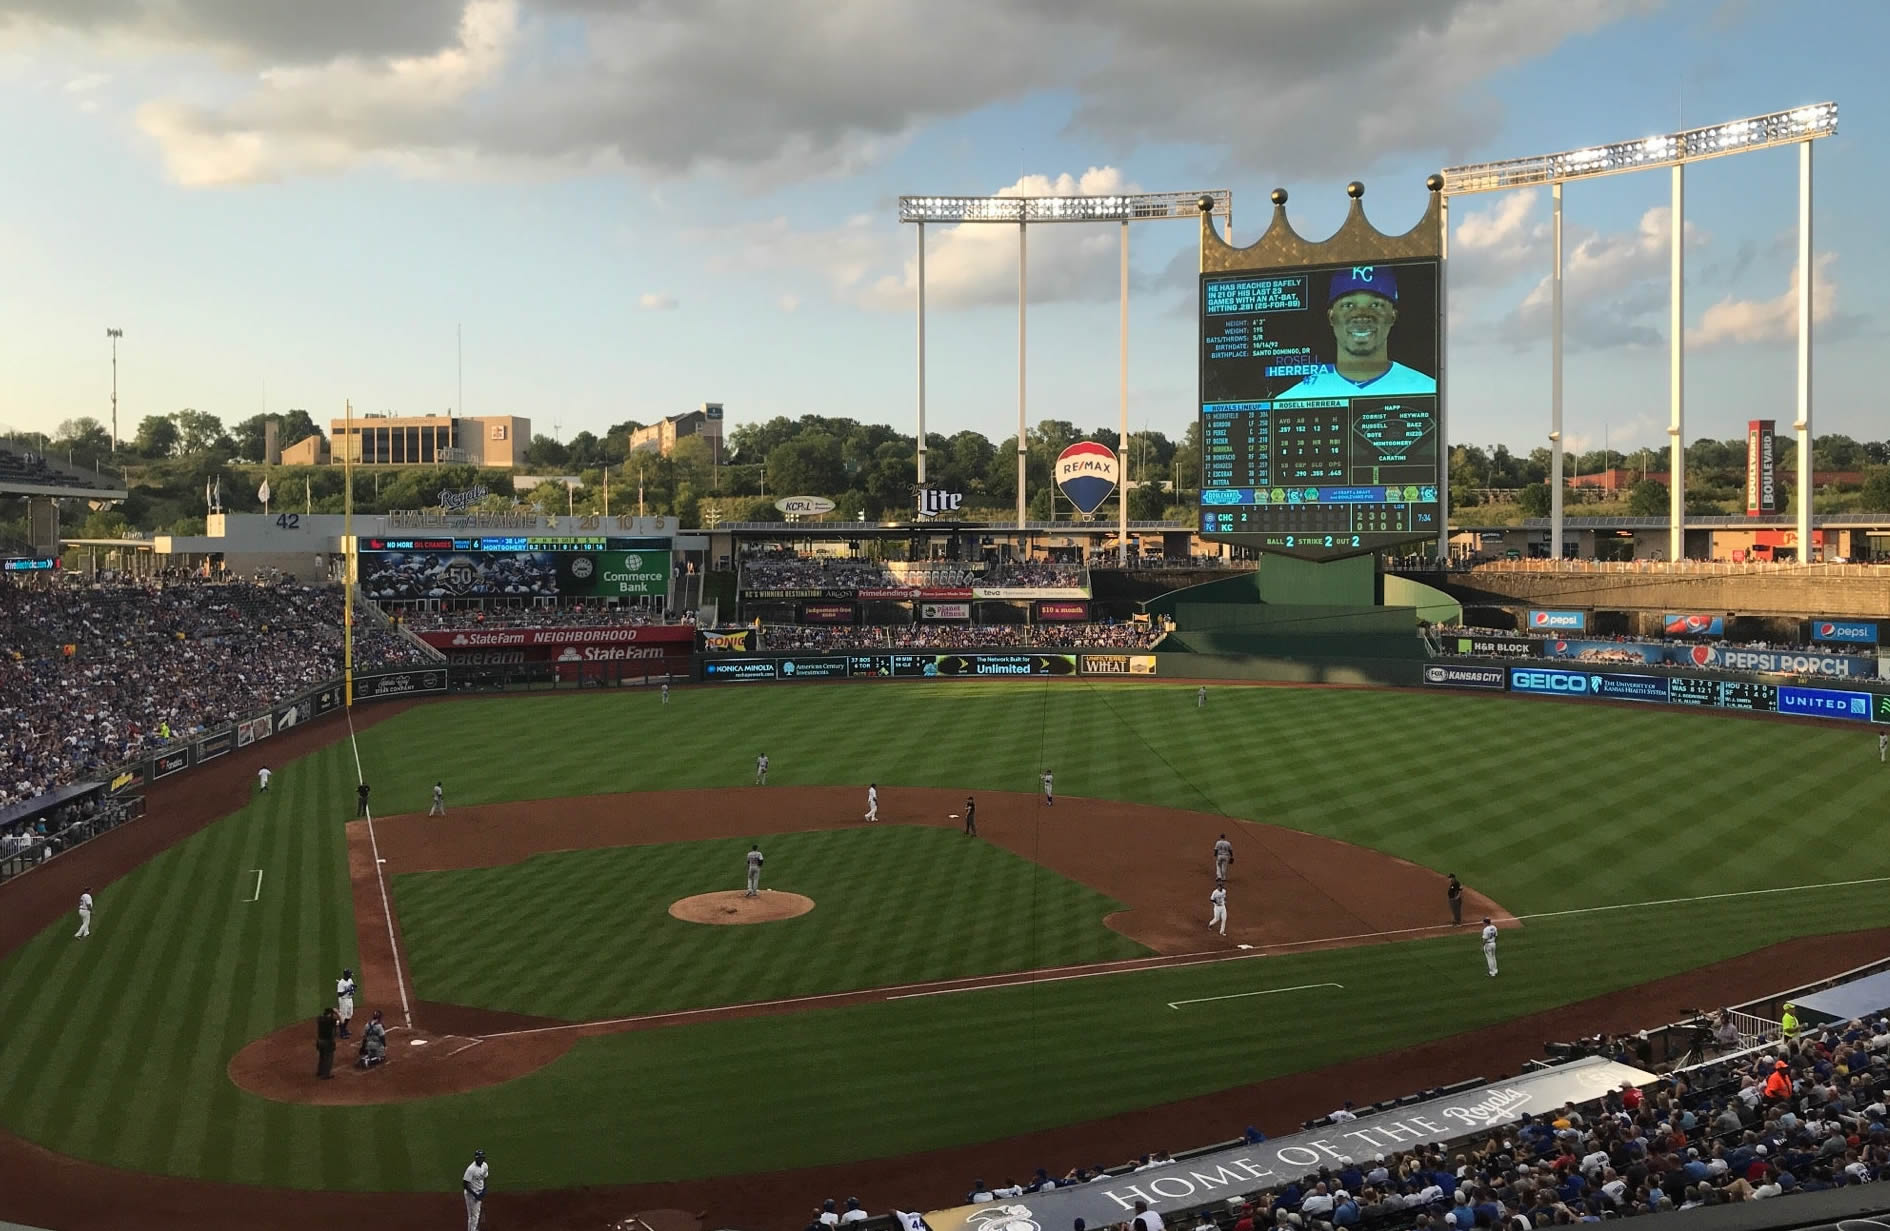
(1086, 473)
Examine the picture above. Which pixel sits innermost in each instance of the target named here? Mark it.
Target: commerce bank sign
(1243, 1169)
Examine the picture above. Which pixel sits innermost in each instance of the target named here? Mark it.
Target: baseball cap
(1377, 279)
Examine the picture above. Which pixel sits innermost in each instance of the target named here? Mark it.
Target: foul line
(387, 911)
(1137, 965)
(1271, 991)
(257, 896)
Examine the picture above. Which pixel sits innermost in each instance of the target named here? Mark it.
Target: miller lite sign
(933, 501)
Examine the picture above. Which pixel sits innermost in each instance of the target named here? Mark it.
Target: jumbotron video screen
(1319, 412)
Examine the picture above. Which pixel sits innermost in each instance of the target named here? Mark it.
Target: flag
(208, 503)
(262, 493)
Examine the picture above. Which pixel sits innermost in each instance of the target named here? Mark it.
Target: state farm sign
(504, 638)
(610, 653)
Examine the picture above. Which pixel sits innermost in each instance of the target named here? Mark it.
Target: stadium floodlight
(1122, 208)
(1799, 126)
(113, 334)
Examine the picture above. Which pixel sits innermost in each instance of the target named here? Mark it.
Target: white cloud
(1495, 244)
(1614, 288)
(657, 301)
(793, 89)
(789, 303)
(1748, 322)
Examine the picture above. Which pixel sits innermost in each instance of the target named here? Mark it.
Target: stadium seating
(21, 465)
(822, 637)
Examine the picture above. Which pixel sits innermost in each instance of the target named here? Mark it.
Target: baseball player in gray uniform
(1489, 945)
(761, 770)
(473, 1186)
(1223, 858)
(439, 800)
(754, 871)
(1049, 788)
(872, 801)
(1200, 697)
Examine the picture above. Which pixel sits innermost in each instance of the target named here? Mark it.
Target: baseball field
(1041, 993)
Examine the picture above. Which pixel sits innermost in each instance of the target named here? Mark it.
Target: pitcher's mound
(735, 906)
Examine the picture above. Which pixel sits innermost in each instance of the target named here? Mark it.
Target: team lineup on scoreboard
(1315, 437)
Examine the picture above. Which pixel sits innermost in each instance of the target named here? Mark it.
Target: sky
(626, 208)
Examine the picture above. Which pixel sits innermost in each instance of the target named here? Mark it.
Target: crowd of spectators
(780, 571)
(1601, 651)
(1807, 1114)
(1035, 575)
(28, 842)
(95, 675)
(547, 615)
(1082, 636)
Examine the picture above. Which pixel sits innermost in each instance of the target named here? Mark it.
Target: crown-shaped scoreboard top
(1356, 240)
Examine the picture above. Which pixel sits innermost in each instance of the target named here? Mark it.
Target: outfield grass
(893, 904)
(116, 1046)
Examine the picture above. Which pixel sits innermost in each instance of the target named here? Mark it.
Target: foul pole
(347, 576)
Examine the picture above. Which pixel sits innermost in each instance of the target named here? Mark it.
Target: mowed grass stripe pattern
(1546, 806)
(583, 935)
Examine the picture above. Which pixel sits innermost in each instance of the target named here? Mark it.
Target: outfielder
(473, 1183)
(665, 694)
(1219, 899)
(1223, 858)
(262, 778)
(344, 1000)
(1049, 790)
(1200, 697)
(754, 871)
(85, 915)
(872, 801)
(1489, 945)
(439, 800)
(761, 770)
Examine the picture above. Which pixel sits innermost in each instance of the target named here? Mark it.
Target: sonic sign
(1087, 472)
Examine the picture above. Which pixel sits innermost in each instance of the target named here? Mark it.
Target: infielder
(1049, 791)
(872, 801)
(761, 770)
(1223, 858)
(1219, 899)
(754, 871)
(262, 778)
(1200, 697)
(439, 800)
(666, 694)
(344, 1000)
(85, 915)
(1489, 945)
(971, 816)
(473, 1183)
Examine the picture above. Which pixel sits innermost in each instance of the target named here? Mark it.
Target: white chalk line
(1057, 974)
(380, 879)
(257, 896)
(1270, 991)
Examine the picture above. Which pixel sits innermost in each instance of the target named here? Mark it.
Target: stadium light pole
(1125, 208)
(114, 335)
(1799, 126)
(1555, 379)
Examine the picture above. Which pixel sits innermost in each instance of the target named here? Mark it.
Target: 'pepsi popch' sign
(1086, 473)
(1850, 632)
(1573, 621)
(1824, 703)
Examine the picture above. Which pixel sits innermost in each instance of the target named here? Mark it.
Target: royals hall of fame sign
(1243, 1169)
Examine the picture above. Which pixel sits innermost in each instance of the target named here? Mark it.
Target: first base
(1243, 946)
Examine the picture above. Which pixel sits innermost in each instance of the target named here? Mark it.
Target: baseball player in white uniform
(473, 1185)
(1219, 899)
(665, 694)
(262, 778)
(761, 770)
(1489, 945)
(1049, 788)
(344, 999)
(439, 800)
(1200, 697)
(1223, 857)
(754, 872)
(85, 915)
(872, 801)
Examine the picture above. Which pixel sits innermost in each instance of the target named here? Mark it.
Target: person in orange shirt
(1778, 1086)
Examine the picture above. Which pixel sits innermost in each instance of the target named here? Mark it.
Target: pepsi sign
(1848, 632)
(1572, 621)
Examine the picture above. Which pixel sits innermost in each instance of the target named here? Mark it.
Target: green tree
(545, 453)
(157, 437)
(1147, 501)
(199, 432)
(1648, 499)
(691, 459)
(1876, 494)
(809, 465)
(84, 439)
(1535, 500)
(104, 524)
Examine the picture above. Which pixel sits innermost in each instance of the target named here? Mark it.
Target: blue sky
(634, 208)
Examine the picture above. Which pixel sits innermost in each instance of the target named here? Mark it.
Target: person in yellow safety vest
(1788, 1025)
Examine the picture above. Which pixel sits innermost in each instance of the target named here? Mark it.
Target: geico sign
(1548, 681)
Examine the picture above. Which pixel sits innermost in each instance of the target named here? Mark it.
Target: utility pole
(114, 335)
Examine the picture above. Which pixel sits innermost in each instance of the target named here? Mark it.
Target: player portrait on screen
(1362, 306)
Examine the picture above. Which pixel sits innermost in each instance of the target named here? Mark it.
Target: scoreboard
(1319, 407)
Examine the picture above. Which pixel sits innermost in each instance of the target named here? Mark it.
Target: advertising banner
(210, 747)
(250, 730)
(1243, 1169)
(1883, 707)
(1787, 662)
(169, 763)
(1086, 474)
(1761, 467)
(398, 684)
(1825, 703)
(814, 668)
(944, 611)
(1723, 694)
(1480, 646)
(1118, 664)
(737, 670)
(1006, 664)
(1448, 675)
(1063, 611)
(129, 778)
(1622, 652)
(677, 660)
(1028, 592)
(796, 594)
(728, 640)
(614, 574)
(505, 638)
(294, 714)
(1559, 621)
(489, 570)
(1849, 632)
(1693, 625)
(327, 700)
(827, 613)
